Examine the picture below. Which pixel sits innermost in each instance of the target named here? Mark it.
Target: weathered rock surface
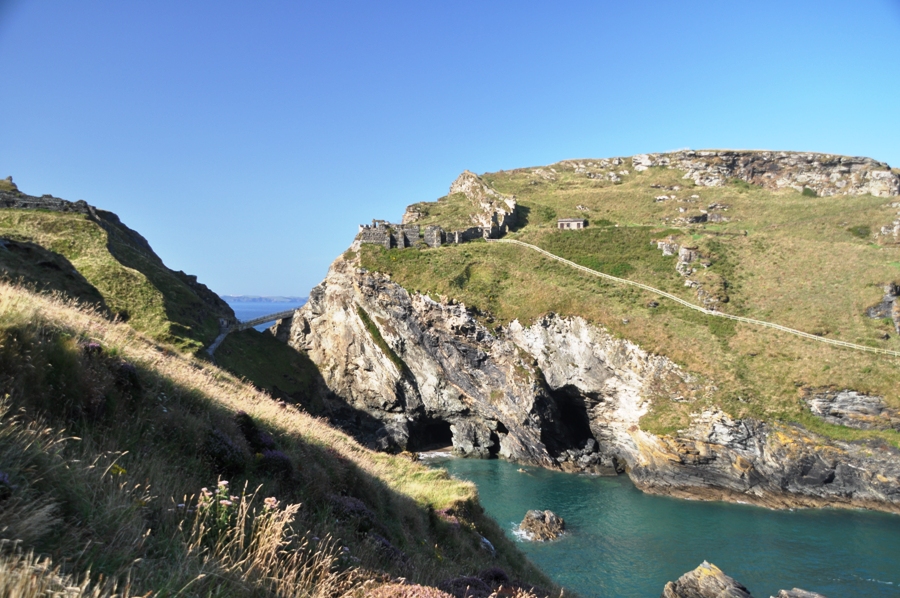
(826, 174)
(889, 307)
(540, 526)
(492, 210)
(559, 393)
(852, 409)
(708, 581)
(710, 287)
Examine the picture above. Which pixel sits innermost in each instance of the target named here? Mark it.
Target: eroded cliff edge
(407, 372)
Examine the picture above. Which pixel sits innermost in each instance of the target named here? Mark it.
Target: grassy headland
(103, 262)
(782, 256)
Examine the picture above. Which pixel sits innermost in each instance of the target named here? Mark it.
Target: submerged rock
(540, 526)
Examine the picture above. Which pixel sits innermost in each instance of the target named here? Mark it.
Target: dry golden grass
(107, 501)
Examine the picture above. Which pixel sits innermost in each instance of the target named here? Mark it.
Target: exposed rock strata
(826, 174)
(852, 409)
(560, 393)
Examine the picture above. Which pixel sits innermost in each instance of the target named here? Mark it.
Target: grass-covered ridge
(108, 437)
(781, 256)
(100, 260)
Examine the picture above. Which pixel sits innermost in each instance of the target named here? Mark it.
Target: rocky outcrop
(852, 409)
(826, 174)
(769, 464)
(891, 231)
(559, 393)
(889, 307)
(708, 581)
(430, 374)
(541, 526)
(492, 213)
(710, 287)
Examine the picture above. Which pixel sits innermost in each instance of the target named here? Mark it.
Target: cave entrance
(568, 425)
(430, 435)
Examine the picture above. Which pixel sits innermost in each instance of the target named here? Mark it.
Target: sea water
(622, 542)
(248, 310)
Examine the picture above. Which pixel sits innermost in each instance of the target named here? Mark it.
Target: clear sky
(247, 140)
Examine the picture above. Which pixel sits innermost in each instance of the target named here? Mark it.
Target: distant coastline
(261, 299)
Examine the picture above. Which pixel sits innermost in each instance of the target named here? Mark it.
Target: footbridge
(280, 315)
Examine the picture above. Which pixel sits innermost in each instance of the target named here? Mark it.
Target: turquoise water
(626, 543)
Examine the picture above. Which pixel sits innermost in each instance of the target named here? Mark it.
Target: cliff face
(826, 174)
(407, 372)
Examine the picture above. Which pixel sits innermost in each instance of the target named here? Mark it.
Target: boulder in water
(708, 581)
(541, 526)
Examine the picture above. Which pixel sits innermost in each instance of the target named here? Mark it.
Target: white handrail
(708, 312)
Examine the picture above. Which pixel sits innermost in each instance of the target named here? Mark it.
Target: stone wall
(390, 235)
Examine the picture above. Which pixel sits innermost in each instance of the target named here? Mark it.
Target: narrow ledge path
(703, 310)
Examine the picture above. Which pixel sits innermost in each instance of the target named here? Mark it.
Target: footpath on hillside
(689, 305)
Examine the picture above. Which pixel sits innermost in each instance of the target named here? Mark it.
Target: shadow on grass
(175, 438)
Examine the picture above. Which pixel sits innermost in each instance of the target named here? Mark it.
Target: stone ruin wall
(389, 235)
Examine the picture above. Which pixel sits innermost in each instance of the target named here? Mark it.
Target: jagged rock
(471, 439)
(496, 209)
(826, 174)
(706, 581)
(796, 593)
(533, 393)
(853, 409)
(541, 526)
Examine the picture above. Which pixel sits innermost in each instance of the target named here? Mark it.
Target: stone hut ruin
(571, 223)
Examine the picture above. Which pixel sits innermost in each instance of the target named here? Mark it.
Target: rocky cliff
(405, 371)
(826, 174)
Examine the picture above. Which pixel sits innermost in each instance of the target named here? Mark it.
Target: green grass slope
(805, 262)
(96, 259)
(272, 366)
(112, 451)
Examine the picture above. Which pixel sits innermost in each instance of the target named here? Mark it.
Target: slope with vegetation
(781, 256)
(90, 255)
(503, 351)
(124, 461)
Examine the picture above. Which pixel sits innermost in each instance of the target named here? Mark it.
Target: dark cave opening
(429, 435)
(567, 424)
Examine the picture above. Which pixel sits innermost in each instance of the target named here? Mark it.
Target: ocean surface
(247, 310)
(622, 542)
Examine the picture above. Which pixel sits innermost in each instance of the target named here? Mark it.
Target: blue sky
(246, 140)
